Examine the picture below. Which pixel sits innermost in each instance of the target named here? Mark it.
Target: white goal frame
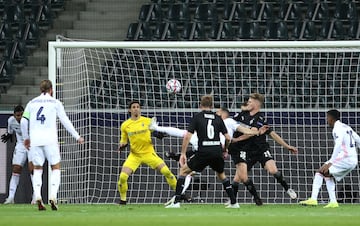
(276, 46)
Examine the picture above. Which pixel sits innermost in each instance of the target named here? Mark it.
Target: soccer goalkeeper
(136, 131)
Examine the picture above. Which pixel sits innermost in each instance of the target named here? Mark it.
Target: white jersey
(346, 140)
(14, 127)
(231, 126)
(41, 113)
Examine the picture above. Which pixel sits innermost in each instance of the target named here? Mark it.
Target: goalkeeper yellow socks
(123, 185)
(170, 178)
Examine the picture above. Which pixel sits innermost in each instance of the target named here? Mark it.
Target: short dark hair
(18, 108)
(335, 114)
(133, 102)
(225, 110)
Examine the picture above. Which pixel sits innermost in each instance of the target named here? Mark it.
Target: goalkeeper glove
(5, 137)
(159, 135)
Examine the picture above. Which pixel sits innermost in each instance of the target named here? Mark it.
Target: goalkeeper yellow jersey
(138, 134)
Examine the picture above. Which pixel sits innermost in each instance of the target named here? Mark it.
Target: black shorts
(261, 157)
(200, 160)
(251, 159)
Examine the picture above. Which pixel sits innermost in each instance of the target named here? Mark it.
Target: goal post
(300, 80)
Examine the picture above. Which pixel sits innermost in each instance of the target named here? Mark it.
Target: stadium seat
(6, 34)
(324, 30)
(282, 31)
(166, 31)
(206, 13)
(353, 29)
(132, 33)
(222, 31)
(345, 11)
(145, 32)
(20, 53)
(178, 13)
(32, 34)
(296, 32)
(323, 12)
(235, 11)
(243, 31)
(309, 31)
(295, 12)
(337, 30)
(268, 12)
(255, 31)
(6, 71)
(151, 13)
(44, 16)
(255, 10)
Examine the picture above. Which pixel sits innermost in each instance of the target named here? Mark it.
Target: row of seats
(253, 20)
(283, 10)
(22, 23)
(280, 30)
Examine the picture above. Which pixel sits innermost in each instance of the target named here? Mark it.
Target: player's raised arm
(281, 141)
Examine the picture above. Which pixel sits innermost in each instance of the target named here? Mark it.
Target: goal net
(300, 81)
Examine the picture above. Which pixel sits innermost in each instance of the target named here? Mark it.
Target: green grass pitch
(188, 214)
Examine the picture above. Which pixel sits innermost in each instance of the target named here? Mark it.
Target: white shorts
(49, 152)
(20, 155)
(340, 169)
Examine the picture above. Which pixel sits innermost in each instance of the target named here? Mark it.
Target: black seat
(235, 11)
(353, 29)
(178, 13)
(255, 31)
(255, 10)
(323, 12)
(324, 30)
(282, 31)
(6, 34)
(338, 30)
(166, 31)
(20, 53)
(172, 32)
(199, 32)
(309, 31)
(222, 31)
(295, 12)
(206, 13)
(243, 31)
(268, 13)
(151, 13)
(7, 71)
(296, 32)
(132, 31)
(145, 32)
(32, 34)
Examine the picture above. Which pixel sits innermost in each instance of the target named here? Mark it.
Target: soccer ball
(173, 86)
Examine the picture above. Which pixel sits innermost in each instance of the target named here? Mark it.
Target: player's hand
(225, 154)
(293, 149)
(6, 137)
(263, 129)
(81, 140)
(122, 147)
(324, 169)
(27, 144)
(182, 160)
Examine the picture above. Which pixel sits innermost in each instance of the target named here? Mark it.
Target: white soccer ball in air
(173, 86)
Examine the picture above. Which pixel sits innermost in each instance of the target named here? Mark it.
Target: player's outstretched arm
(247, 131)
(280, 141)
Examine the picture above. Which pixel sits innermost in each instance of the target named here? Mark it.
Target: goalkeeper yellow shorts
(151, 159)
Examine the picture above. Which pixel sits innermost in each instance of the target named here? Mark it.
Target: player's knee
(123, 178)
(17, 169)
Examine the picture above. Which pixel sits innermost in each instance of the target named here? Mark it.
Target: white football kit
(20, 153)
(41, 113)
(344, 157)
(231, 126)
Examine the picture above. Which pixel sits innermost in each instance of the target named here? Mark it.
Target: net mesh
(300, 85)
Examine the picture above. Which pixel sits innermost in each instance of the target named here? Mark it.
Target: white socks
(318, 179)
(186, 183)
(14, 181)
(171, 131)
(330, 185)
(37, 183)
(55, 183)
